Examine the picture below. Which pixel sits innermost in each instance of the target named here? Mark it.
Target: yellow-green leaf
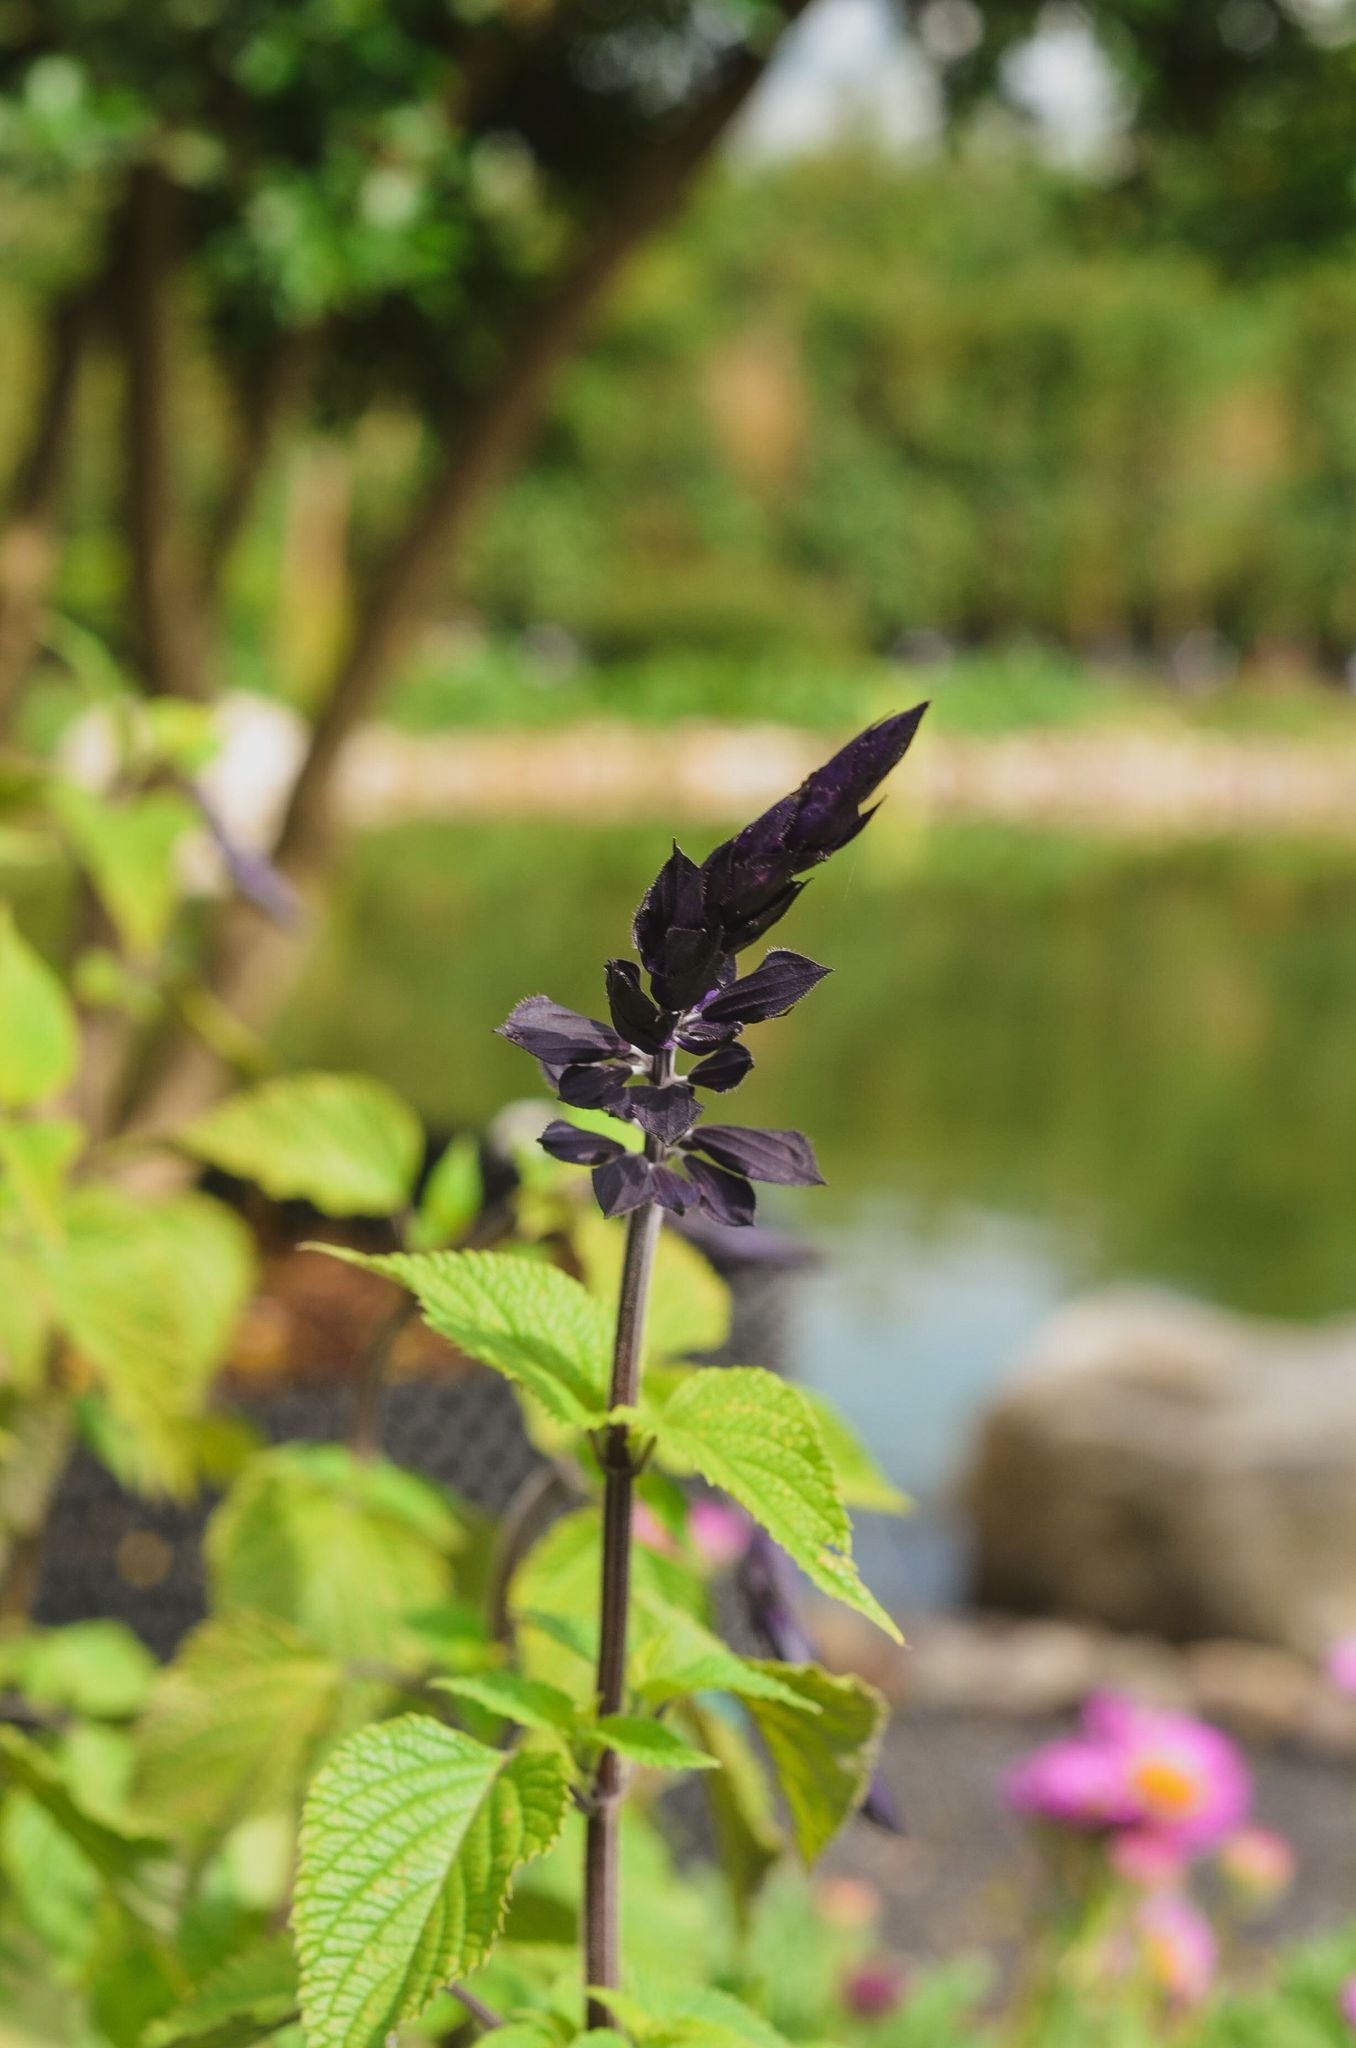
(823, 1762)
(526, 1319)
(343, 1142)
(756, 1436)
(39, 1043)
(411, 1836)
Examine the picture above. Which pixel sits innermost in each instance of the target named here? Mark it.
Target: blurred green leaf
(341, 1141)
(823, 1761)
(452, 1198)
(247, 1999)
(39, 1044)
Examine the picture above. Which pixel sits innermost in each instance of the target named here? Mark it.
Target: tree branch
(169, 642)
(273, 399)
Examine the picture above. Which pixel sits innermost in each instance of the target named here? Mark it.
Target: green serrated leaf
(824, 1763)
(861, 1483)
(642, 1741)
(756, 1436)
(307, 1524)
(344, 1142)
(129, 848)
(749, 1841)
(689, 1305)
(150, 1295)
(528, 1701)
(411, 1835)
(677, 1655)
(35, 1159)
(235, 1725)
(39, 1043)
(526, 1319)
(452, 1199)
(246, 1999)
(686, 2016)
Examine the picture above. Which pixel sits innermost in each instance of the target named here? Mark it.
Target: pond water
(1040, 1065)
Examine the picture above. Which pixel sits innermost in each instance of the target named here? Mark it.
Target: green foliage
(38, 1045)
(524, 1318)
(341, 1141)
(452, 1199)
(411, 1837)
(651, 1743)
(750, 1432)
(824, 1759)
(129, 851)
(247, 1999)
(307, 1523)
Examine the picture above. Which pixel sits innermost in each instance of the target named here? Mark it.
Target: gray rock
(1158, 1466)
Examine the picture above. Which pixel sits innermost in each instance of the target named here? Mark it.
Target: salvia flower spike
(692, 924)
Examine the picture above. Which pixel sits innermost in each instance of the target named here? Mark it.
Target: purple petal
(252, 874)
(599, 1087)
(559, 1036)
(673, 1190)
(770, 991)
(666, 1113)
(725, 1197)
(623, 1184)
(699, 1036)
(723, 1069)
(638, 1019)
(672, 901)
(576, 1147)
(786, 1157)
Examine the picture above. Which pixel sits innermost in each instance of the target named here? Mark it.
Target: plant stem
(602, 1901)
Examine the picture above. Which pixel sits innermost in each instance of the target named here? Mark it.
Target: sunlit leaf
(412, 1833)
(526, 1319)
(452, 1198)
(643, 1741)
(344, 1142)
(39, 1043)
(689, 1305)
(756, 1436)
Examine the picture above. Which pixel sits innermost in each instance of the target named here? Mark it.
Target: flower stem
(602, 1902)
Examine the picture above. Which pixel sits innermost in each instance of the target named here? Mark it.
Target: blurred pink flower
(1341, 1663)
(1346, 2002)
(1140, 1767)
(1075, 1784)
(850, 1902)
(1258, 1864)
(1146, 1859)
(874, 1990)
(720, 1532)
(647, 1528)
(1178, 1947)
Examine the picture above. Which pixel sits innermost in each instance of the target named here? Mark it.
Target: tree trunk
(252, 967)
(165, 619)
(28, 544)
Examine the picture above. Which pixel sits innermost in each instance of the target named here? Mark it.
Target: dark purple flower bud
(666, 1114)
(770, 991)
(749, 881)
(672, 1191)
(623, 1184)
(635, 1016)
(723, 1069)
(767, 1580)
(600, 1087)
(881, 1808)
(673, 902)
(725, 1197)
(689, 965)
(579, 1148)
(557, 1036)
(786, 1157)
